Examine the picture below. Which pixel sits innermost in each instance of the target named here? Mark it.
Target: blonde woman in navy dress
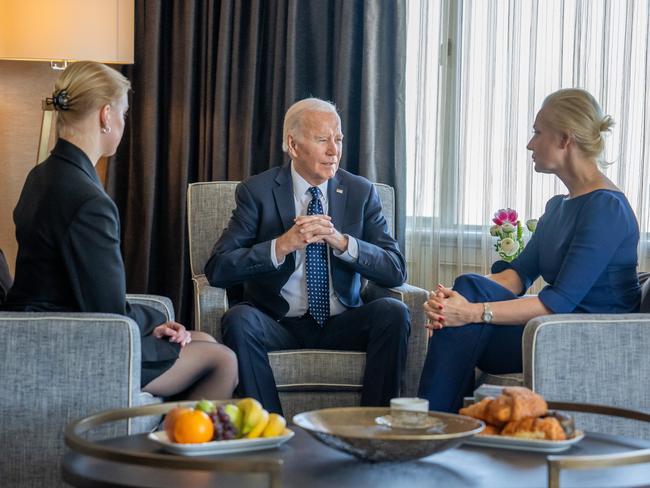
(584, 247)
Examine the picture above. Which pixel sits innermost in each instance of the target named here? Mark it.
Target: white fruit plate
(220, 447)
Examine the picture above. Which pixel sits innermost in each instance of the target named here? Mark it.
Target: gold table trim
(558, 463)
(74, 441)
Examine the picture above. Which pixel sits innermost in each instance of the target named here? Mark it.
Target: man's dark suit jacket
(69, 257)
(266, 209)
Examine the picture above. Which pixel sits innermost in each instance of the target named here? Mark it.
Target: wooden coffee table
(305, 462)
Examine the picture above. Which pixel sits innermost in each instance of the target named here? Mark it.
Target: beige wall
(22, 87)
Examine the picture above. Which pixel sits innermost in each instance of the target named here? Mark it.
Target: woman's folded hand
(447, 308)
(174, 331)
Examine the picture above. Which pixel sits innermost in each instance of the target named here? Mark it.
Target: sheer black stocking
(204, 369)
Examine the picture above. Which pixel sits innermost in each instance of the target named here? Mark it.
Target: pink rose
(505, 215)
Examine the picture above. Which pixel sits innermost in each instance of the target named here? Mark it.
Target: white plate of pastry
(518, 418)
(525, 444)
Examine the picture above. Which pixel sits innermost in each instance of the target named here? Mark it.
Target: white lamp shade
(71, 30)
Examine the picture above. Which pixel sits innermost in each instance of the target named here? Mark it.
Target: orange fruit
(193, 427)
(170, 420)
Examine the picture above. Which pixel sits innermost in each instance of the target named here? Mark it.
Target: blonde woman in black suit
(68, 234)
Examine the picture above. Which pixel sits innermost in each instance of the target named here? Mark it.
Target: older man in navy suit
(300, 239)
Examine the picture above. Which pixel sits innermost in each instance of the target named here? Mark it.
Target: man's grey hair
(293, 117)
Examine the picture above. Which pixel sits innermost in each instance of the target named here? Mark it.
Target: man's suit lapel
(283, 194)
(336, 196)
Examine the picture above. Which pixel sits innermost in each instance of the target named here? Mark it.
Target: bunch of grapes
(224, 430)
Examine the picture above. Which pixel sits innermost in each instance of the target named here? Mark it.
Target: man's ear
(291, 144)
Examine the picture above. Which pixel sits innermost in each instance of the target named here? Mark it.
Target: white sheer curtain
(477, 72)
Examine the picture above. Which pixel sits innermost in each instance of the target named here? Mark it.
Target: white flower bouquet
(507, 227)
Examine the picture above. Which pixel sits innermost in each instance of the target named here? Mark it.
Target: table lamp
(62, 31)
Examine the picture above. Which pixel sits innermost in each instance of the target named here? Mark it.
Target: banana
(251, 411)
(260, 426)
(275, 426)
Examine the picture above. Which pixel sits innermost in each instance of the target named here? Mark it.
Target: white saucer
(430, 422)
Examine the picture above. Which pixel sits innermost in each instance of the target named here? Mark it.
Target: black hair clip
(60, 100)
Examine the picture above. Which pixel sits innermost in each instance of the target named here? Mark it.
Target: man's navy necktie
(318, 289)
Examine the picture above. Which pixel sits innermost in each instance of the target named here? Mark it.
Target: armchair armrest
(57, 367)
(210, 304)
(591, 358)
(162, 304)
(413, 297)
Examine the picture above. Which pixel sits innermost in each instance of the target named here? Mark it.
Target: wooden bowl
(359, 431)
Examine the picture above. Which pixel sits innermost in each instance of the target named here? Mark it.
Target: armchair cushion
(318, 369)
(592, 358)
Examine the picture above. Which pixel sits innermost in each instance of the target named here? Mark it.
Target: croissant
(566, 421)
(546, 428)
(520, 412)
(478, 410)
(490, 430)
(514, 404)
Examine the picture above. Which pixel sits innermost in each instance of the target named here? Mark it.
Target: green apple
(235, 415)
(205, 406)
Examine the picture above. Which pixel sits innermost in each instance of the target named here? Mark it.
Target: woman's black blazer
(69, 258)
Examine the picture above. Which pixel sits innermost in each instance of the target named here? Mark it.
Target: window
(477, 73)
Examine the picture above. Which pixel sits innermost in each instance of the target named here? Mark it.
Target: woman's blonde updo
(577, 113)
(83, 87)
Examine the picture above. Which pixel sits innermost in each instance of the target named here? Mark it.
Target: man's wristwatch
(487, 313)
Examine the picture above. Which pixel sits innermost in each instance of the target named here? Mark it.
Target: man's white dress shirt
(295, 290)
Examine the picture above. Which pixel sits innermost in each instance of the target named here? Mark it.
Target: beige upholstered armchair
(306, 379)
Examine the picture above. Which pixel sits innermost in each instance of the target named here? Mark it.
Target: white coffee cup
(409, 412)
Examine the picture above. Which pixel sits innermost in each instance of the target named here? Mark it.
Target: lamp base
(46, 129)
